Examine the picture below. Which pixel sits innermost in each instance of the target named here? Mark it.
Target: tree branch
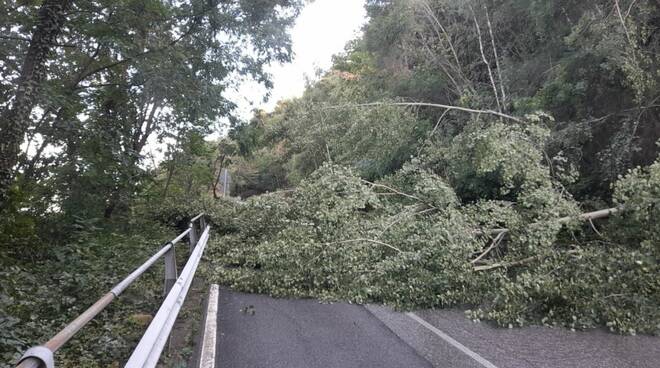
(395, 191)
(448, 107)
(493, 244)
(595, 215)
(368, 241)
(514, 263)
(483, 57)
(497, 61)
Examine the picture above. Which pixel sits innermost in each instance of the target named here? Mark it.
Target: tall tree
(15, 121)
(126, 73)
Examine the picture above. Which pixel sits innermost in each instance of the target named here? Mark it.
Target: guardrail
(151, 345)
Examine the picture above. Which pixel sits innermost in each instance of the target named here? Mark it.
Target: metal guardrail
(150, 347)
(148, 350)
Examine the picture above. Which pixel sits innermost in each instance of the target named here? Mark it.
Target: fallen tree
(338, 237)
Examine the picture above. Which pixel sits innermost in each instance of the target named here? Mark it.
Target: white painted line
(481, 360)
(207, 352)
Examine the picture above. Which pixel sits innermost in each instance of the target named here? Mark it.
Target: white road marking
(207, 355)
(481, 360)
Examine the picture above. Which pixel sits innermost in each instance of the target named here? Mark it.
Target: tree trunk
(15, 121)
(170, 173)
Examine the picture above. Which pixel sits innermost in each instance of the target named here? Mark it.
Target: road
(305, 334)
(258, 331)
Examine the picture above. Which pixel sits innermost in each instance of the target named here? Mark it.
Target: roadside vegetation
(443, 161)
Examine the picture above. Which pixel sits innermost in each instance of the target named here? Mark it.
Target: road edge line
(478, 358)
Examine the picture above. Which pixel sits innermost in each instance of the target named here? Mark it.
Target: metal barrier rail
(175, 291)
(148, 350)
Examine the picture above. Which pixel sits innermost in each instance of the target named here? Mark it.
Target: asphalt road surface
(282, 333)
(435, 335)
(258, 331)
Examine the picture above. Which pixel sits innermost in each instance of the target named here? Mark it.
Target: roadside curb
(209, 332)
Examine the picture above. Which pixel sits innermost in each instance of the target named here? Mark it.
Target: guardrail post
(170, 269)
(202, 224)
(192, 236)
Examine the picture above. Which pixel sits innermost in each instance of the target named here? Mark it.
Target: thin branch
(493, 244)
(101, 85)
(26, 39)
(368, 241)
(432, 131)
(630, 8)
(485, 60)
(444, 69)
(514, 263)
(593, 226)
(394, 190)
(448, 107)
(431, 15)
(400, 218)
(506, 264)
(129, 59)
(623, 24)
(497, 58)
(438, 123)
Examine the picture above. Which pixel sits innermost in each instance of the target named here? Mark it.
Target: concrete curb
(209, 333)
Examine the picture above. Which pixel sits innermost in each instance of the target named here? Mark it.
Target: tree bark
(15, 121)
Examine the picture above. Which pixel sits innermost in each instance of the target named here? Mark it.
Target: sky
(322, 30)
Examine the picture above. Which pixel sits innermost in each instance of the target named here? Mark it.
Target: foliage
(458, 209)
(125, 76)
(408, 241)
(176, 212)
(41, 292)
(281, 148)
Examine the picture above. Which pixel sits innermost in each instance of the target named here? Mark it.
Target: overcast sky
(322, 30)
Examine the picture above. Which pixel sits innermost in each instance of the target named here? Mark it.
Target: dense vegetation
(394, 175)
(442, 161)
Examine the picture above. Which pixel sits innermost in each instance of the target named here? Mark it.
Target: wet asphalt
(258, 331)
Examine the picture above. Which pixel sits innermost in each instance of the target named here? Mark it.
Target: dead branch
(393, 190)
(368, 241)
(493, 244)
(448, 107)
(623, 24)
(485, 60)
(595, 215)
(497, 58)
